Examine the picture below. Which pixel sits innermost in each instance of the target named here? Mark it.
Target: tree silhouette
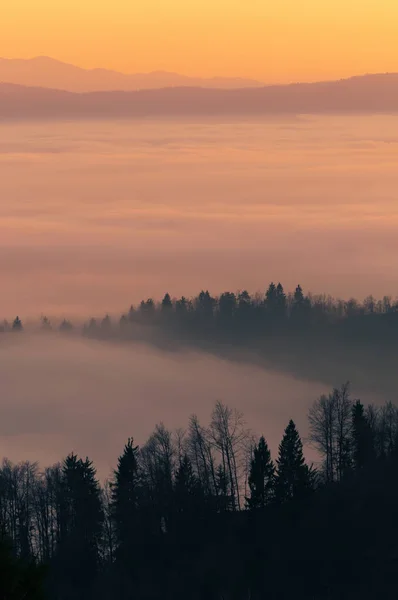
(271, 298)
(363, 450)
(186, 488)
(125, 498)
(66, 326)
(167, 304)
(17, 324)
(82, 516)
(293, 477)
(261, 477)
(106, 324)
(280, 301)
(45, 324)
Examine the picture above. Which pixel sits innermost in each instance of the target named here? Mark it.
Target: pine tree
(167, 303)
(187, 492)
(186, 482)
(182, 306)
(293, 477)
(78, 553)
(125, 496)
(46, 324)
(17, 324)
(362, 441)
(65, 326)
(106, 324)
(281, 302)
(261, 477)
(271, 298)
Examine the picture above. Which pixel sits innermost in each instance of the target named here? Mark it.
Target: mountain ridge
(369, 93)
(47, 72)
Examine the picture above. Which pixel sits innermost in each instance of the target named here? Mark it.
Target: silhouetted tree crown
(17, 324)
(126, 495)
(293, 477)
(261, 477)
(363, 443)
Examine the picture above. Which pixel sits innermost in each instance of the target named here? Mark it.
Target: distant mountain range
(49, 73)
(366, 94)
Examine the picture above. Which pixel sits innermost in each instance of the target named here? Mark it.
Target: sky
(272, 41)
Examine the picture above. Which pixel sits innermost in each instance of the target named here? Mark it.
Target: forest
(207, 512)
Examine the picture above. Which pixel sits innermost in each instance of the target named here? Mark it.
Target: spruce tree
(261, 477)
(125, 496)
(78, 555)
(188, 497)
(362, 441)
(186, 483)
(281, 302)
(271, 298)
(167, 304)
(17, 324)
(293, 477)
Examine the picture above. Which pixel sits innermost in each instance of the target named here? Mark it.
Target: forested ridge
(315, 337)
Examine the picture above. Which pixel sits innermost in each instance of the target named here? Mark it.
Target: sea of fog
(96, 215)
(72, 394)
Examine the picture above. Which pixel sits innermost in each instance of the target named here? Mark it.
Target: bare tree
(229, 437)
(330, 430)
(321, 421)
(158, 466)
(200, 452)
(17, 503)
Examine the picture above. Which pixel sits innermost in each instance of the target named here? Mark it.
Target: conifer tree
(125, 496)
(167, 303)
(78, 556)
(271, 298)
(261, 477)
(17, 324)
(362, 441)
(187, 492)
(46, 324)
(280, 301)
(293, 477)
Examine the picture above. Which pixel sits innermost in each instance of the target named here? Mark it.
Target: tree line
(207, 512)
(243, 313)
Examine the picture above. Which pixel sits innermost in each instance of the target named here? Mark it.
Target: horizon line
(206, 77)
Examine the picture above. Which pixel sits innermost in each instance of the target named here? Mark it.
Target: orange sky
(283, 40)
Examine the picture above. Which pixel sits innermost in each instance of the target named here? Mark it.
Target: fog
(94, 216)
(60, 394)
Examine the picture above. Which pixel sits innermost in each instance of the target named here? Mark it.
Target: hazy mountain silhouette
(46, 72)
(369, 93)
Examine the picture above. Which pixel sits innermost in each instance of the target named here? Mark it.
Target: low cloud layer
(62, 394)
(98, 215)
